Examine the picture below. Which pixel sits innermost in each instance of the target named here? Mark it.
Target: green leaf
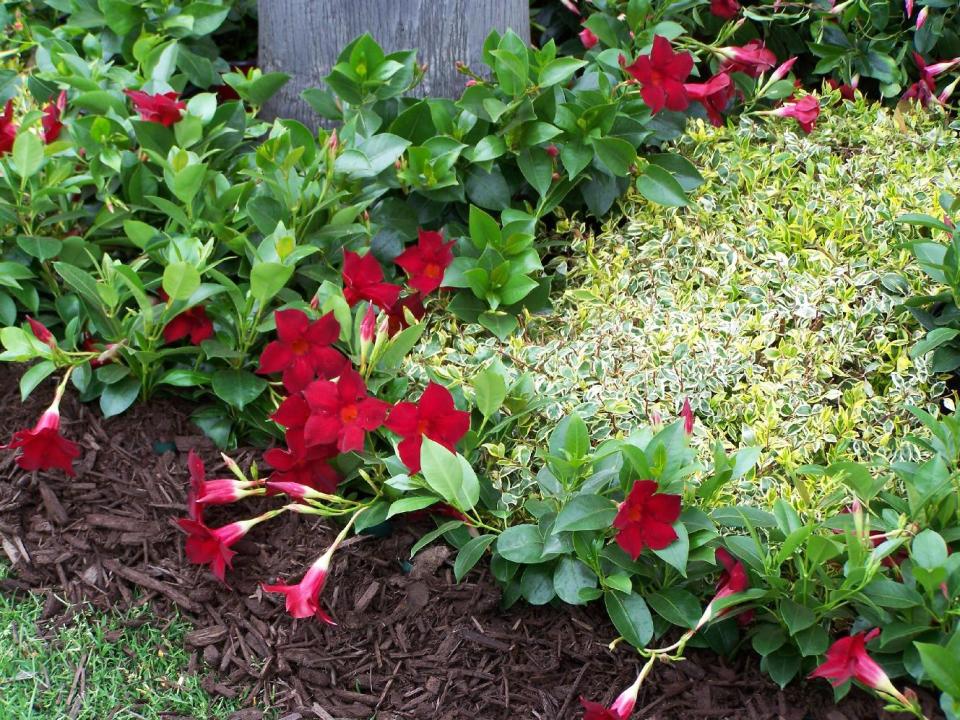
(570, 438)
(659, 186)
(34, 376)
(676, 606)
(27, 154)
(683, 171)
(411, 504)
(536, 584)
(237, 388)
(941, 667)
(449, 475)
(782, 665)
(559, 71)
(490, 391)
(470, 555)
(484, 230)
(929, 550)
(267, 279)
(768, 638)
(433, 535)
(570, 577)
(180, 280)
(617, 155)
(888, 593)
(631, 616)
(119, 396)
(521, 544)
(586, 512)
(796, 616)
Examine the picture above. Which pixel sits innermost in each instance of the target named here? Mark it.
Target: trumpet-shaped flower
(847, 659)
(43, 447)
(302, 465)
(661, 75)
(646, 518)
(805, 111)
(341, 413)
(621, 708)
(8, 129)
(192, 323)
(426, 262)
(752, 59)
(434, 416)
(303, 599)
(52, 121)
(714, 95)
(163, 108)
(363, 280)
(211, 546)
(302, 349)
(726, 9)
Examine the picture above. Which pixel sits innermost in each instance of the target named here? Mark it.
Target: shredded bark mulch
(410, 643)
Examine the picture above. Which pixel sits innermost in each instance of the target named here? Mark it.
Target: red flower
(435, 416)
(686, 412)
(363, 280)
(292, 413)
(52, 116)
(646, 518)
(846, 91)
(303, 599)
(163, 108)
(661, 75)
(302, 465)
(920, 92)
(426, 262)
(341, 412)
(805, 111)
(8, 129)
(397, 319)
(193, 323)
(43, 448)
(733, 579)
(753, 59)
(41, 333)
(302, 349)
(726, 9)
(227, 490)
(211, 546)
(588, 39)
(847, 659)
(620, 710)
(714, 94)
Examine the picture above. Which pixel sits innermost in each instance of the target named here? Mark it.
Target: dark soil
(411, 643)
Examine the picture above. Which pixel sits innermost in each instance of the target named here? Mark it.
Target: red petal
(291, 324)
(275, 357)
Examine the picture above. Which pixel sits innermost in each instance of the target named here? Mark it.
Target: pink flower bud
(687, 414)
(552, 150)
(784, 69)
(922, 17)
(470, 83)
(368, 324)
(41, 333)
(227, 490)
(908, 8)
(588, 39)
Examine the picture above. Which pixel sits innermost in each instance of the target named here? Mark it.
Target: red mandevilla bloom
(302, 349)
(588, 39)
(426, 262)
(646, 518)
(211, 546)
(621, 708)
(8, 129)
(224, 491)
(292, 413)
(726, 9)
(192, 323)
(661, 75)
(753, 59)
(733, 579)
(396, 317)
(805, 111)
(363, 280)
(52, 118)
(434, 416)
(714, 95)
(164, 108)
(307, 466)
(847, 659)
(43, 447)
(341, 412)
(303, 599)
(846, 90)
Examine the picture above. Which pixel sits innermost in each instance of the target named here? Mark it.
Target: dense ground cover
(773, 302)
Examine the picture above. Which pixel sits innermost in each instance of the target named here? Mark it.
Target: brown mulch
(411, 643)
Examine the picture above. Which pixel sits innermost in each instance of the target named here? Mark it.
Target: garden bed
(410, 642)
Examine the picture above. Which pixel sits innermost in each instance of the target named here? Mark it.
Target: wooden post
(304, 37)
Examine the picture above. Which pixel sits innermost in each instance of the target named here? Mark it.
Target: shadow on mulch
(410, 643)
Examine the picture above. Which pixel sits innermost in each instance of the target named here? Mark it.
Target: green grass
(123, 672)
(771, 302)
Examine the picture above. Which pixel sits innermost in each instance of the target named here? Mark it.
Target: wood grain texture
(304, 37)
